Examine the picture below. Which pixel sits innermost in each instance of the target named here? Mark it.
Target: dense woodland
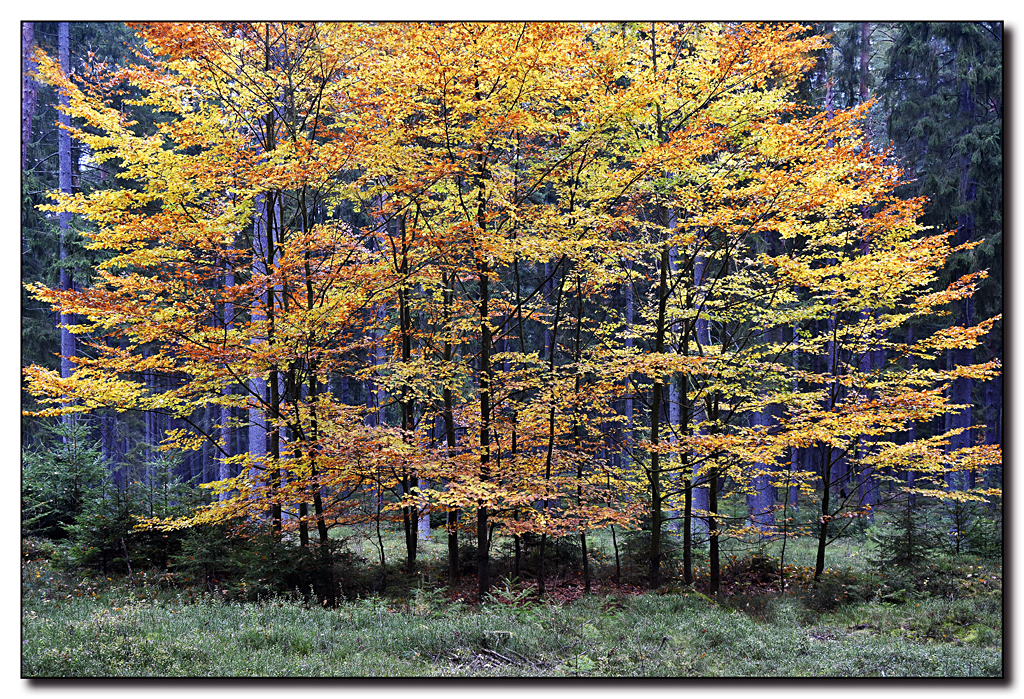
(673, 284)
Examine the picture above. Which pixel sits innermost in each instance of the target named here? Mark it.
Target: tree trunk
(448, 415)
(423, 526)
(627, 408)
(687, 532)
(204, 473)
(28, 87)
(993, 428)
(826, 480)
(654, 475)
(410, 481)
(960, 394)
(551, 430)
(864, 74)
(67, 339)
(576, 427)
(714, 565)
(794, 463)
(257, 383)
(761, 501)
(482, 540)
(274, 396)
(673, 398)
(223, 465)
(375, 395)
(702, 330)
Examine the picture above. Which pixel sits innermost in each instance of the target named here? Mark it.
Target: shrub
(908, 540)
(757, 569)
(67, 495)
(837, 588)
(249, 562)
(635, 551)
(560, 553)
(104, 534)
(983, 534)
(58, 480)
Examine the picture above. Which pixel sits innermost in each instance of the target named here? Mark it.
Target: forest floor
(945, 620)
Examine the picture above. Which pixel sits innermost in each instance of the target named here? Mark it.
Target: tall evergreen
(942, 88)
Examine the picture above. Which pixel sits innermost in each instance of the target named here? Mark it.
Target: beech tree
(237, 185)
(447, 215)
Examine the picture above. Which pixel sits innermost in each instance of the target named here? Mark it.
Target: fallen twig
(497, 655)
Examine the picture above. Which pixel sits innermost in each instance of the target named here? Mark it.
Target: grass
(941, 622)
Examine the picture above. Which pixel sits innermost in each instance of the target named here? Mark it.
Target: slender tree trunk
(448, 415)
(687, 532)
(627, 409)
(423, 526)
(714, 564)
(549, 290)
(517, 540)
(483, 276)
(661, 329)
(204, 473)
(864, 73)
(826, 479)
(794, 490)
(551, 431)
(549, 347)
(761, 501)
(833, 472)
(702, 331)
(326, 556)
(452, 524)
(684, 458)
(960, 394)
(106, 439)
(576, 429)
(28, 88)
(273, 385)
(375, 394)
(148, 429)
(654, 475)
(410, 482)
(257, 441)
(673, 397)
(223, 465)
(482, 541)
(67, 339)
(993, 428)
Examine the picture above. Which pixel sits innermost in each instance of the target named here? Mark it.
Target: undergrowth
(853, 623)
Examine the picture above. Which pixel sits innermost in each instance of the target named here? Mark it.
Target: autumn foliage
(501, 234)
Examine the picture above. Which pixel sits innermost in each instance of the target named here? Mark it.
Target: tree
(48, 252)
(28, 87)
(67, 340)
(57, 484)
(943, 85)
(445, 217)
(221, 182)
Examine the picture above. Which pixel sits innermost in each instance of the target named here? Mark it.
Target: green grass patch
(939, 619)
(101, 628)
